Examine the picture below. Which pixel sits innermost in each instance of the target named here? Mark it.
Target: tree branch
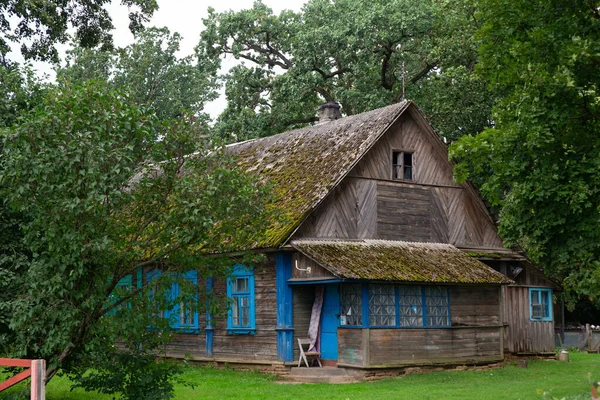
(428, 68)
(330, 75)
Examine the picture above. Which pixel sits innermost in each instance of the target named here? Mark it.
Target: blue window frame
(400, 306)
(540, 304)
(241, 316)
(184, 315)
(125, 284)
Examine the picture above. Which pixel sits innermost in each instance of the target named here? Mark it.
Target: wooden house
(407, 263)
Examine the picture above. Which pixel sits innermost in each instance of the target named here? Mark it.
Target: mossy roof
(304, 165)
(397, 261)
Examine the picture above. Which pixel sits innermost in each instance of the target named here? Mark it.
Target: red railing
(35, 368)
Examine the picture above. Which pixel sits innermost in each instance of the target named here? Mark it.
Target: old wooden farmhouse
(397, 264)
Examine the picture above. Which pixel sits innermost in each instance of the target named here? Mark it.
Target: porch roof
(384, 260)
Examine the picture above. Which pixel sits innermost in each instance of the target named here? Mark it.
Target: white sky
(183, 16)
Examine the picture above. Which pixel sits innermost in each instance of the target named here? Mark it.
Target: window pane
(244, 301)
(241, 285)
(535, 297)
(396, 165)
(411, 310)
(408, 159)
(382, 307)
(544, 295)
(408, 173)
(351, 304)
(436, 301)
(245, 316)
(235, 312)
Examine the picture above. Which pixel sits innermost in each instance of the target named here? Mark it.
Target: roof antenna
(403, 83)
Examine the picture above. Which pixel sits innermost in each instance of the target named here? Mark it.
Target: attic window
(402, 165)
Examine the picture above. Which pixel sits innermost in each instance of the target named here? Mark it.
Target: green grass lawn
(558, 380)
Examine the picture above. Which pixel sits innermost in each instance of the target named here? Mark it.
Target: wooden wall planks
(262, 346)
(402, 347)
(432, 208)
(523, 335)
(474, 305)
(304, 297)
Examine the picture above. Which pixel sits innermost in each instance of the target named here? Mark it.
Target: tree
(93, 206)
(150, 71)
(361, 54)
(539, 165)
(20, 91)
(38, 26)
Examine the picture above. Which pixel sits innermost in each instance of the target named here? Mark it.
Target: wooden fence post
(38, 380)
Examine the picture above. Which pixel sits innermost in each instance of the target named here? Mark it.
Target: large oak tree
(361, 54)
(540, 164)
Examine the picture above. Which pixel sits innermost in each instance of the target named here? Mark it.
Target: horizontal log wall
(304, 297)
(187, 345)
(474, 305)
(522, 335)
(262, 346)
(403, 347)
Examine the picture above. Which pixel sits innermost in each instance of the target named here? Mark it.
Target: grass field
(543, 379)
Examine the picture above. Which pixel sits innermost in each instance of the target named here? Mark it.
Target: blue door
(329, 322)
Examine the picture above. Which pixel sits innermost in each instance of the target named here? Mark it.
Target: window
(382, 305)
(437, 311)
(240, 290)
(540, 304)
(351, 303)
(411, 306)
(403, 306)
(402, 165)
(184, 315)
(123, 286)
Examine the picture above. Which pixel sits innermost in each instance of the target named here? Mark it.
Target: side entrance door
(329, 322)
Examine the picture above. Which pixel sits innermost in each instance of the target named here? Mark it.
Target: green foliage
(354, 52)
(150, 71)
(86, 203)
(19, 92)
(38, 26)
(539, 165)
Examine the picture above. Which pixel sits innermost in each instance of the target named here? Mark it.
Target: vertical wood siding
(522, 335)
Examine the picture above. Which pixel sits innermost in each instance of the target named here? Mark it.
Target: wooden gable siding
(301, 263)
(430, 162)
(368, 204)
(529, 275)
(348, 212)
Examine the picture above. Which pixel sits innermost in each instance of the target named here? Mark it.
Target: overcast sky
(183, 16)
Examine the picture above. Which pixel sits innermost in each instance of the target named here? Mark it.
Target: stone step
(324, 375)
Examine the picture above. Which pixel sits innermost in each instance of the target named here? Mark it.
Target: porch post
(210, 329)
(285, 329)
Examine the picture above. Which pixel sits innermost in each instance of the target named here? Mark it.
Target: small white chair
(305, 354)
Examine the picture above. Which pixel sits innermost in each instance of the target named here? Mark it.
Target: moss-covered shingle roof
(304, 165)
(398, 261)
